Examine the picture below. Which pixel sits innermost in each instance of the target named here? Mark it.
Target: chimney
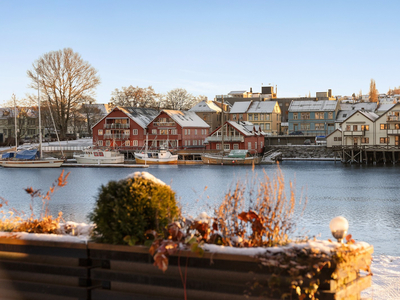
(329, 93)
(251, 90)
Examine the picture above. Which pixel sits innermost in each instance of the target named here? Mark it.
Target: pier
(368, 154)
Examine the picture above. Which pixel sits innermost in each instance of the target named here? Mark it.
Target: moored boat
(235, 157)
(162, 156)
(91, 155)
(28, 159)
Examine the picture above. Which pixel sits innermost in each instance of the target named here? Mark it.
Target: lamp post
(339, 226)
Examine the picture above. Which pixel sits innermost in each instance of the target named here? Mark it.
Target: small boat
(162, 156)
(28, 159)
(235, 157)
(91, 155)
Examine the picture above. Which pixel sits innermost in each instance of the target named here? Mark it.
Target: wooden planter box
(63, 271)
(43, 270)
(127, 271)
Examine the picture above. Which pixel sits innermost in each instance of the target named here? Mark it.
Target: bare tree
(373, 92)
(134, 96)
(65, 79)
(91, 112)
(394, 91)
(179, 99)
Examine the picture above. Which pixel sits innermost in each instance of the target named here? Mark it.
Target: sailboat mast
(222, 125)
(15, 124)
(40, 121)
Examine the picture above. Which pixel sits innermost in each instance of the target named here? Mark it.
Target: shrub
(126, 209)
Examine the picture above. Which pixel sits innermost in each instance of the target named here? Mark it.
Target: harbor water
(368, 196)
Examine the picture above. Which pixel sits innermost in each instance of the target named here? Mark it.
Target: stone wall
(303, 151)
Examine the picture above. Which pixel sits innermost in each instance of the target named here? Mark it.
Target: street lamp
(339, 227)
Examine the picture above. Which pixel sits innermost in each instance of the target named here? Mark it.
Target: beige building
(209, 112)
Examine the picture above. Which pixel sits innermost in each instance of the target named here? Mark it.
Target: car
(307, 142)
(296, 133)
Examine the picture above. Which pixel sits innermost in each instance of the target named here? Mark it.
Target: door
(355, 141)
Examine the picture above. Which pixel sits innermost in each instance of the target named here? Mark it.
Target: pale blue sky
(208, 47)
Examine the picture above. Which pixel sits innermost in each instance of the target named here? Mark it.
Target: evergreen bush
(126, 209)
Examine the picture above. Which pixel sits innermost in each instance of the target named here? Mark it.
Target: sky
(208, 47)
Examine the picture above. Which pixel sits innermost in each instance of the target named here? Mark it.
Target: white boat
(162, 156)
(91, 155)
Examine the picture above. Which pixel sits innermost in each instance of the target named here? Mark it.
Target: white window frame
(135, 143)
(100, 143)
(100, 132)
(135, 132)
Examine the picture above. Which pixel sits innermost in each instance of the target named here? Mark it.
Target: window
(330, 115)
(194, 142)
(305, 126)
(348, 127)
(126, 132)
(337, 138)
(261, 117)
(108, 131)
(384, 140)
(135, 132)
(188, 131)
(295, 115)
(100, 132)
(31, 131)
(267, 117)
(319, 115)
(255, 117)
(127, 143)
(305, 116)
(154, 131)
(100, 143)
(267, 126)
(255, 145)
(235, 146)
(240, 116)
(31, 122)
(383, 126)
(234, 117)
(249, 145)
(319, 126)
(364, 140)
(163, 131)
(227, 146)
(262, 126)
(135, 143)
(108, 143)
(355, 127)
(250, 117)
(365, 127)
(218, 146)
(195, 132)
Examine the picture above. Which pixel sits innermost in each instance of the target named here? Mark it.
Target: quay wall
(303, 151)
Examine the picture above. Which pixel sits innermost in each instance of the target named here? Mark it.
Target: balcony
(116, 126)
(393, 132)
(116, 136)
(226, 138)
(354, 133)
(164, 123)
(393, 118)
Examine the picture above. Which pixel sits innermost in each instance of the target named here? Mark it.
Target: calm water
(368, 196)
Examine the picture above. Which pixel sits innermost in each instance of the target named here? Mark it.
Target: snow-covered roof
(384, 108)
(366, 106)
(368, 114)
(244, 127)
(236, 92)
(240, 107)
(186, 118)
(262, 107)
(142, 116)
(206, 106)
(321, 105)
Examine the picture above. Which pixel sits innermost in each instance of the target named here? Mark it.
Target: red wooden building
(126, 128)
(237, 136)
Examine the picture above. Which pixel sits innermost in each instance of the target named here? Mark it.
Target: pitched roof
(142, 116)
(206, 106)
(240, 107)
(236, 92)
(321, 105)
(244, 127)
(186, 118)
(262, 107)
